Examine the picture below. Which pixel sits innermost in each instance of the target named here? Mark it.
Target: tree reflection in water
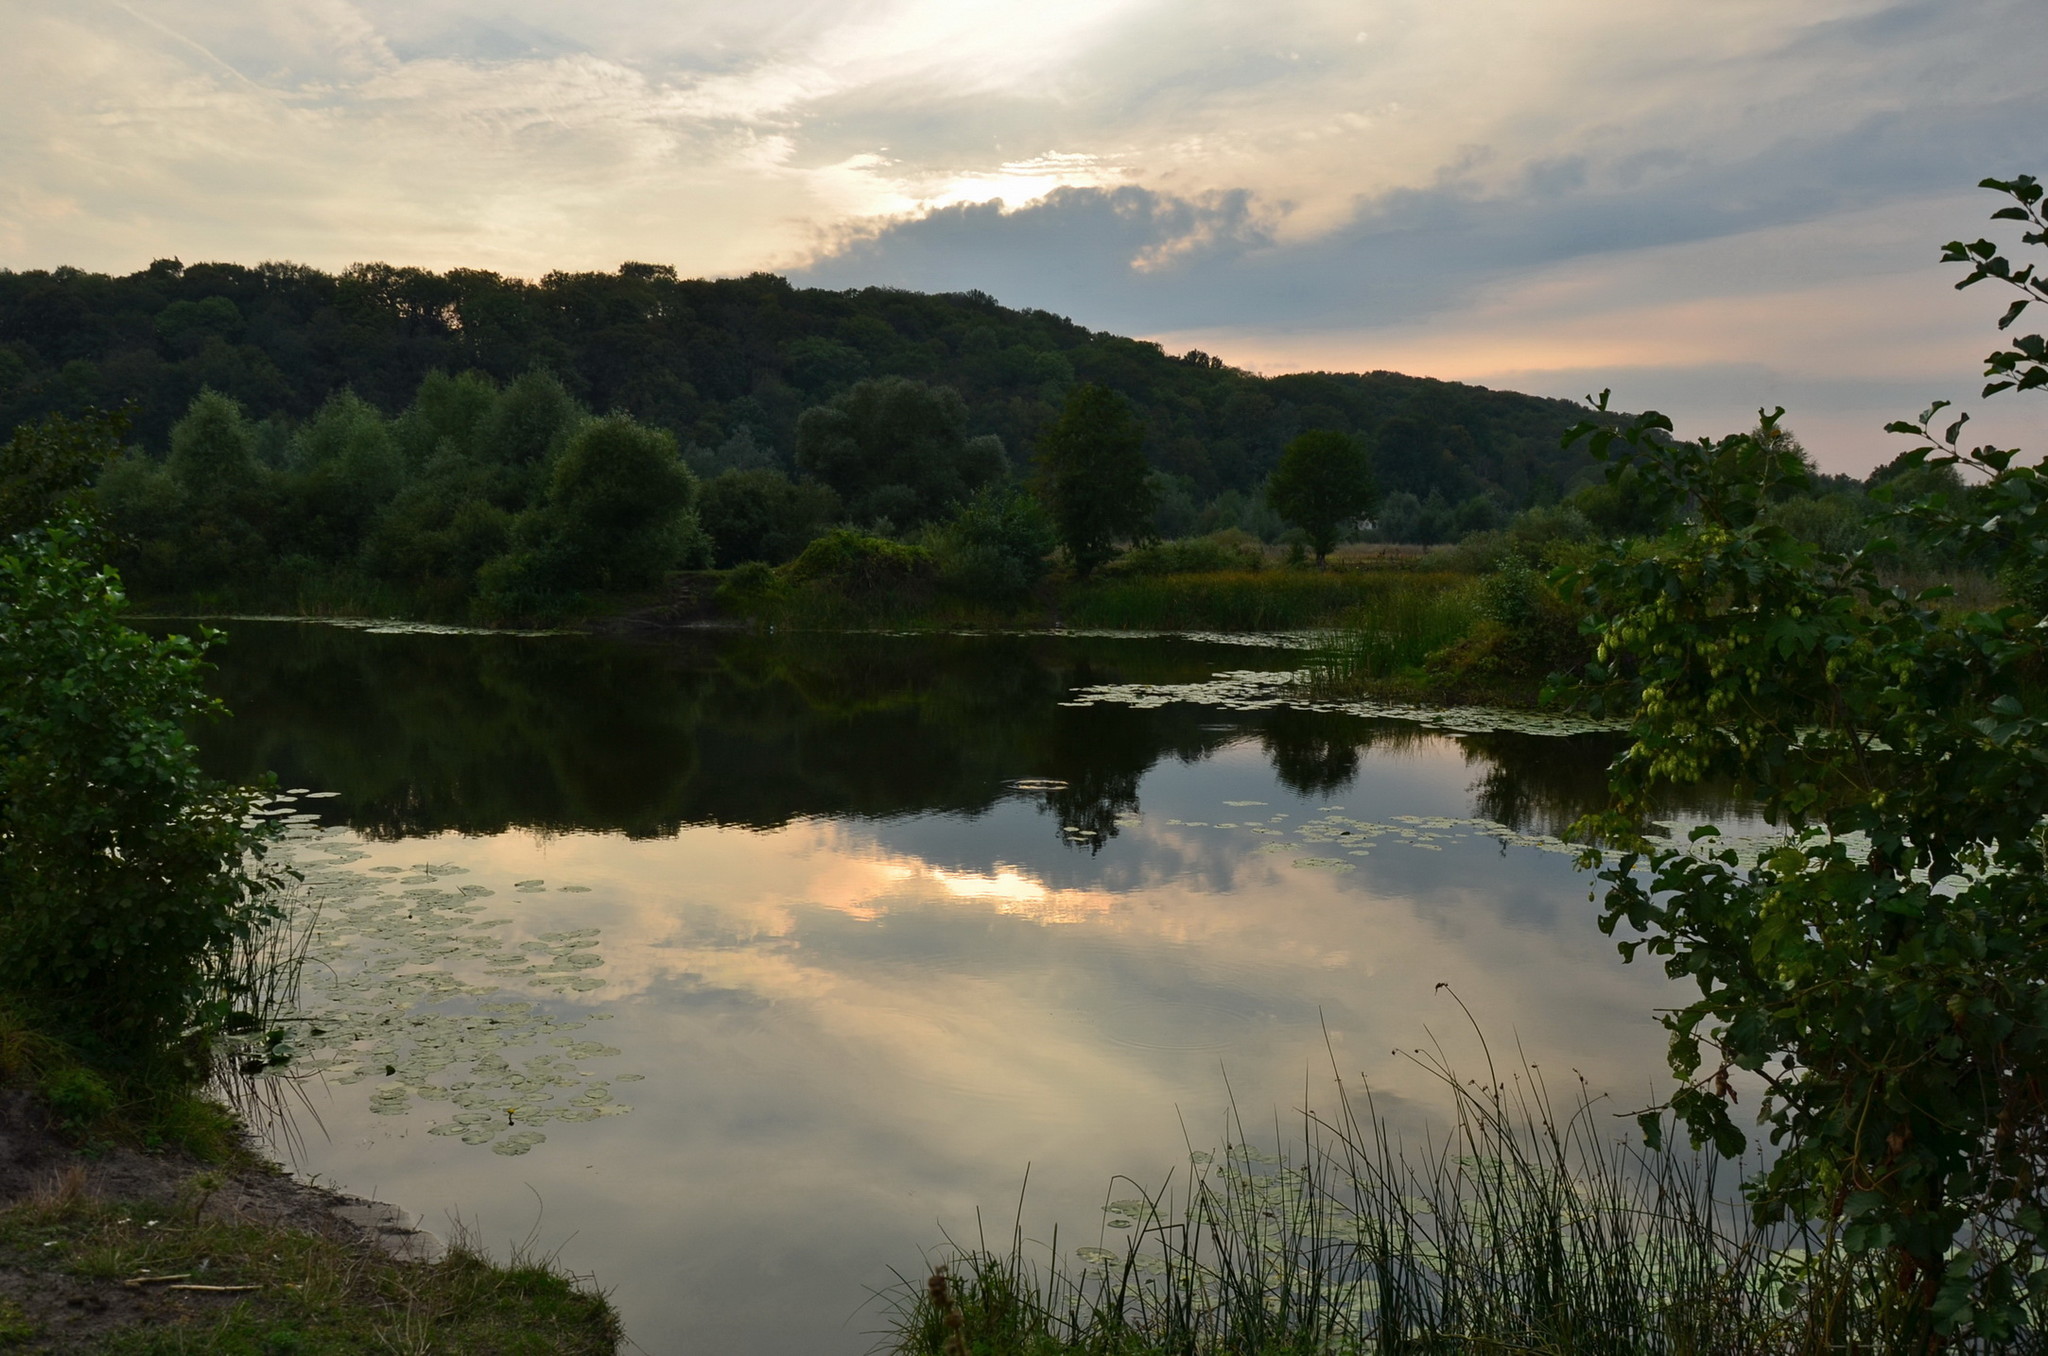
(476, 734)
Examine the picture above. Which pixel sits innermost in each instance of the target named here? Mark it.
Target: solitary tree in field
(1324, 481)
(1092, 477)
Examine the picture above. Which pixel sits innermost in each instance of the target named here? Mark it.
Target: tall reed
(1521, 1228)
(251, 991)
(1389, 633)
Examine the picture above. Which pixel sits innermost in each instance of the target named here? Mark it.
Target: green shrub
(1230, 549)
(995, 550)
(618, 515)
(79, 1098)
(749, 588)
(1884, 967)
(1524, 632)
(855, 565)
(1538, 536)
(127, 877)
(761, 514)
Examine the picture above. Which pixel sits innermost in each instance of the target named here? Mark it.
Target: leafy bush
(1230, 549)
(127, 877)
(618, 515)
(856, 565)
(1541, 536)
(761, 514)
(995, 550)
(897, 451)
(1525, 631)
(1885, 969)
(79, 1098)
(750, 590)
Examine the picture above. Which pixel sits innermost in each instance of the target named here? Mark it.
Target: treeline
(728, 367)
(466, 445)
(507, 502)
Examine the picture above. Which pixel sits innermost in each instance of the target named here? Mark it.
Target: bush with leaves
(858, 566)
(1231, 550)
(761, 514)
(1883, 972)
(127, 877)
(896, 451)
(995, 549)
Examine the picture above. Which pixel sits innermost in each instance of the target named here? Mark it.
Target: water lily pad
(391, 992)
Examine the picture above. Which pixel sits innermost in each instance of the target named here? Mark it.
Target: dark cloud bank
(1214, 261)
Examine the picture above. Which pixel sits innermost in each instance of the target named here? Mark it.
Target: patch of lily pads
(1250, 640)
(389, 626)
(1269, 690)
(411, 985)
(1314, 844)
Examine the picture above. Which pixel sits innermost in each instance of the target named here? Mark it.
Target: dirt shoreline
(41, 1170)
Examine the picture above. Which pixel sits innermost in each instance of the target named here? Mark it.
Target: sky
(1708, 206)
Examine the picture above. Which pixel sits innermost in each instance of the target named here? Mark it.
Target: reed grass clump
(1522, 1228)
(1392, 631)
(1262, 600)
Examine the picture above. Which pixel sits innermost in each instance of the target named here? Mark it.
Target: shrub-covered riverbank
(143, 963)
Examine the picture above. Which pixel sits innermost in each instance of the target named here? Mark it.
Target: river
(741, 971)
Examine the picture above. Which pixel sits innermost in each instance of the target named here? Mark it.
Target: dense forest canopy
(727, 367)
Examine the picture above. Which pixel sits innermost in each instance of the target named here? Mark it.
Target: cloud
(1146, 259)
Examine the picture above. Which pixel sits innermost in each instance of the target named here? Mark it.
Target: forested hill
(724, 362)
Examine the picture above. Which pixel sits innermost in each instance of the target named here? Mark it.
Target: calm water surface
(854, 978)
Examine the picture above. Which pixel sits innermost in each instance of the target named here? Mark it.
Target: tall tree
(619, 513)
(897, 451)
(213, 451)
(1093, 478)
(1324, 480)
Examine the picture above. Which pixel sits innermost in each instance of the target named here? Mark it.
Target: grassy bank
(139, 1220)
(902, 589)
(80, 1273)
(1265, 600)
